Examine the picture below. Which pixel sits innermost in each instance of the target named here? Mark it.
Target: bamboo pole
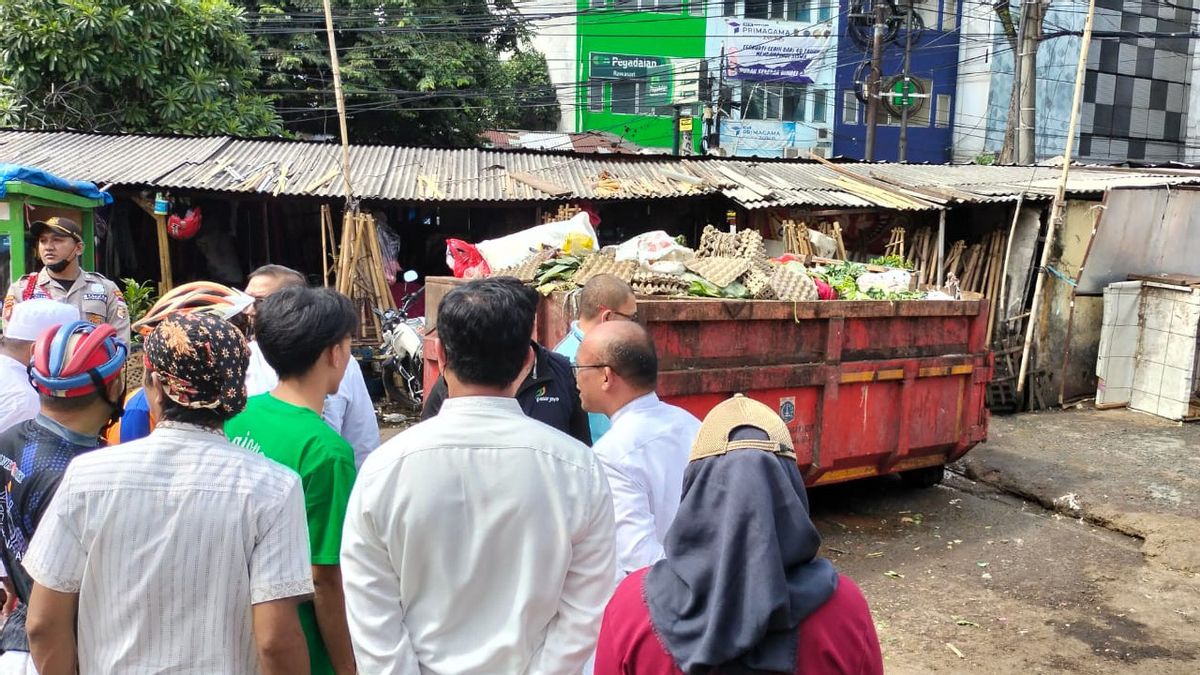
(164, 255)
(1012, 234)
(324, 247)
(1056, 219)
(340, 97)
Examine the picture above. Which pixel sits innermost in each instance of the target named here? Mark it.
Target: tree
(181, 66)
(414, 71)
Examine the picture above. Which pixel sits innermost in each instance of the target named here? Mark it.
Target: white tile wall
(1165, 367)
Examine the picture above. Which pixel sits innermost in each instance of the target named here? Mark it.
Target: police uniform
(97, 299)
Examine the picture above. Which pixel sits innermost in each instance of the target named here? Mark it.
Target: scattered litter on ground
(956, 650)
(1069, 501)
(893, 574)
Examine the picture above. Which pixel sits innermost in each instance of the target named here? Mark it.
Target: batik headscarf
(201, 360)
(741, 571)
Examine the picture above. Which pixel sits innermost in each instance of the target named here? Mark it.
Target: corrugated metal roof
(128, 160)
(299, 168)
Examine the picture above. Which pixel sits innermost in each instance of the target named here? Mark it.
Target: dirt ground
(1004, 575)
(965, 578)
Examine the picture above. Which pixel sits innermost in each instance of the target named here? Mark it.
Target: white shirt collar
(485, 404)
(644, 402)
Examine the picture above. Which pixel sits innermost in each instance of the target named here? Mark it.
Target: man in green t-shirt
(304, 335)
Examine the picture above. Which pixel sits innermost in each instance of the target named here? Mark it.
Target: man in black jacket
(548, 394)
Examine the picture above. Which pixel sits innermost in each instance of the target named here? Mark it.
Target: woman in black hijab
(741, 589)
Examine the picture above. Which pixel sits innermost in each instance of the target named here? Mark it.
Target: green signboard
(906, 94)
(622, 67)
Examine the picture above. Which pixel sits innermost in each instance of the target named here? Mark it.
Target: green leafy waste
(894, 261)
(843, 277)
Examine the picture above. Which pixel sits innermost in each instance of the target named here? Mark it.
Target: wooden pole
(164, 255)
(1012, 234)
(325, 215)
(1056, 211)
(341, 102)
(941, 249)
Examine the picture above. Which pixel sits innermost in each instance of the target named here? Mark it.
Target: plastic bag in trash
(514, 248)
(655, 247)
(465, 261)
(891, 281)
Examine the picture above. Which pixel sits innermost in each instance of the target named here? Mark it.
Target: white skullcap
(32, 317)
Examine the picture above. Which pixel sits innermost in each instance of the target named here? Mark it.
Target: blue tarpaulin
(34, 176)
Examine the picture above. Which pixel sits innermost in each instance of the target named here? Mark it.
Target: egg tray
(720, 271)
(650, 283)
(526, 270)
(715, 243)
(751, 246)
(757, 280)
(601, 263)
(788, 284)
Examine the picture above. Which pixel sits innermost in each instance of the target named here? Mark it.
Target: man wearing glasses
(645, 452)
(603, 298)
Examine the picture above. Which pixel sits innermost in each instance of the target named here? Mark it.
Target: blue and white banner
(771, 51)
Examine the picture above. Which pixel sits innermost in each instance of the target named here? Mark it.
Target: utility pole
(1031, 35)
(873, 85)
(675, 131)
(1056, 210)
(341, 103)
(1014, 108)
(902, 155)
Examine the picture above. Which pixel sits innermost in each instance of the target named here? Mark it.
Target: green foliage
(139, 297)
(413, 71)
(894, 261)
(985, 159)
(181, 66)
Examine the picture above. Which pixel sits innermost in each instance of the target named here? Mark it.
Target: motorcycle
(401, 351)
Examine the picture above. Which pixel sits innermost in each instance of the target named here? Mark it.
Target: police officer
(60, 245)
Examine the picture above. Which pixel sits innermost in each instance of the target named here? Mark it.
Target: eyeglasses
(578, 367)
(628, 317)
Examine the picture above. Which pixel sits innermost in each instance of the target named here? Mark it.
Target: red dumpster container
(866, 387)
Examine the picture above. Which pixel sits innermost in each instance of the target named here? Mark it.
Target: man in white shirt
(125, 558)
(479, 541)
(646, 451)
(18, 399)
(349, 411)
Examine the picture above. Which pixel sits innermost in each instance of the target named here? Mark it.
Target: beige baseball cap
(739, 411)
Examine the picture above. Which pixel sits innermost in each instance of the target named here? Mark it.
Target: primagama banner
(787, 53)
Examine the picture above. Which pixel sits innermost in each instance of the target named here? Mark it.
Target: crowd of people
(235, 512)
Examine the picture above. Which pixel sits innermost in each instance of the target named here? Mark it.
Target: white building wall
(555, 37)
(975, 59)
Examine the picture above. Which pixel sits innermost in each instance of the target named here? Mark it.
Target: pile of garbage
(563, 256)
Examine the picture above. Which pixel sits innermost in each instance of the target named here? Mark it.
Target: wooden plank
(552, 189)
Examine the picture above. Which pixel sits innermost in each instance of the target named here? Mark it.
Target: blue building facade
(933, 69)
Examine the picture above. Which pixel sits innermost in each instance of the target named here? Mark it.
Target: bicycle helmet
(204, 297)
(76, 359)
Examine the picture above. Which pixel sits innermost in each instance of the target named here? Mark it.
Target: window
(625, 97)
(665, 6)
(778, 9)
(729, 7)
(598, 4)
(774, 102)
(943, 110)
(627, 5)
(758, 9)
(818, 106)
(849, 107)
(949, 15)
(638, 97)
(801, 10)
(595, 95)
